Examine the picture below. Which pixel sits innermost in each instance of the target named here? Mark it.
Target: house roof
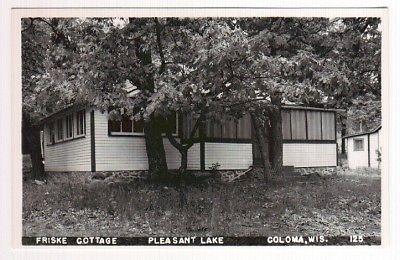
(312, 108)
(61, 112)
(364, 133)
(76, 107)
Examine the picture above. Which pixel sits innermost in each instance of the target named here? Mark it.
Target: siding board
(309, 155)
(72, 155)
(228, 155)
(129, 153)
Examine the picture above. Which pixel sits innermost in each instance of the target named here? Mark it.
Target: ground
(73, 204)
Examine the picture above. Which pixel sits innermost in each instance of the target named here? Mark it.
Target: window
(314, 125)
(51, 134)
(228, 128)
(358, 144)
(244, 127)
(69, 126)
(298, 124)
(189, 121)
(138, 126)
(114, 126)
(127, 126)
(60, 129)
(80, 122)
(328, 126)
(286, 130)
(173, 121)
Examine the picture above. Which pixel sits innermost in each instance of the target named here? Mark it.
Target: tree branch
(159, 45)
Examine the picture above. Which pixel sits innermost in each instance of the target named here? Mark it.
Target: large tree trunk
(275, 134)
(152, 127)
(343, 132)
(260, 127)
(32, 143)
(155, 148)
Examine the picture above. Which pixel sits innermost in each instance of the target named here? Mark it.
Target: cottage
(363, 149)
(86, 140)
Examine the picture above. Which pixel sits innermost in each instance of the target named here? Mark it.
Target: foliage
(196, 62)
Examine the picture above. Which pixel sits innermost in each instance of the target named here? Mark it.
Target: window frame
(133, 133)
(355, 149)
(307, 136)
(120, 133)
(211, 125)
(66, 127)
(52, 133)
(52, 127)
(58, 120)
(79, 124)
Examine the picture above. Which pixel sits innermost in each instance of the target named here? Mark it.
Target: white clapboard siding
(194, 157)
(374, 146)
(309, 154)
(359, 159)
(116, 153)
(72, 155)
(228, 155)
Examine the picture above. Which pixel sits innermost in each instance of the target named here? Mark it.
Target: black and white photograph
(201, 131)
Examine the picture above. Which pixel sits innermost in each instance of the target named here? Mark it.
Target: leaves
(196, 65)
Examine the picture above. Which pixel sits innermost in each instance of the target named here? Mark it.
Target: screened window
(60, 130)
(114, 126)
(358, 144)
(286, 128)
(298, 122)
(188, 123)
(52, 134)
(173, 122)
(328, 126)
(138, 126)
(127, 126)
(314, 125)
(213, 128)
(229, 128)
(244, 127)
(80, 122)
(69, 126)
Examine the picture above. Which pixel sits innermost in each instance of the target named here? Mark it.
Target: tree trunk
(155, 148)
(261, 136)
(275, 133)
(184, 161)
(36, 155)
(31, 137)
(152, 127)
(343, 132)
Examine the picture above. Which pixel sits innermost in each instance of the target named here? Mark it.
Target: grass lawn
(71, 204)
